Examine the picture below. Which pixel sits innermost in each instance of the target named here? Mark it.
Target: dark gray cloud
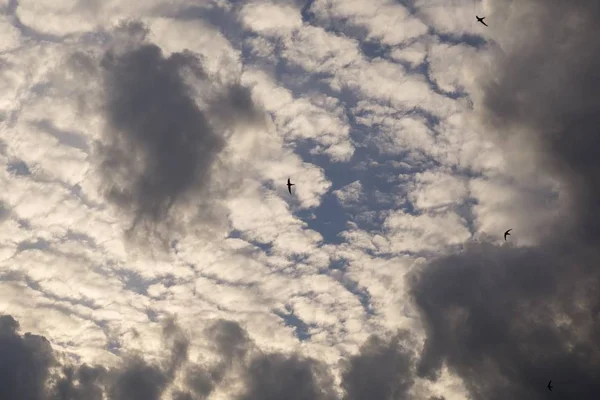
(83, 383)
(24, 362)
(506, 319)
(382, 370)
(544, 88)
(179, 344)
(138, 381)
(200, 382)
(161, 147)
(278, 376)
(135, 379)
(230, 340)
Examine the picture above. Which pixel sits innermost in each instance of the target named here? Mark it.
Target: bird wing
(288, 181)
(290, 189)
(484, 23)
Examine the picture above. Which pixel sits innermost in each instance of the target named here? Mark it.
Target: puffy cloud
(25, 364)
(161, 146)
(276, 376)
(508, 319)
(382, 369)
(349, 194)
(425, 232)
(384, 20)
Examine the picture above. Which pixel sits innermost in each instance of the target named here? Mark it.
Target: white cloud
(437, 190)
(414, 53)
(425, 232)
(449, 66)
(451, 17)
(384, 20)
(316, 116)
(220, 57)
(270, 19)
(349, 194)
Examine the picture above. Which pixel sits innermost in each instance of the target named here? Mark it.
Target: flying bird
(289, 185)
(507, 233)
(549, 385)
(481, 20)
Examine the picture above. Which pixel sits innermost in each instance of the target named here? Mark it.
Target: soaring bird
(507, 233)
(481, 20)
(289, 185)
(549, 385)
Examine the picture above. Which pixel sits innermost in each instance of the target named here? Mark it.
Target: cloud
(80, 383)
(382, 369)
(425, 232)
(508, 319)
(277, 376)
(433, 128)
(138, 381)
(29, 371)
(437, 190)
(349, 194)
(552, 112)
(270, 19)
(161, 146)
(25, 362)
(384, 20)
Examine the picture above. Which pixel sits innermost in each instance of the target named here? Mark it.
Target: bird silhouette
(289, 185)
(481, 20)
(507, 233)
(549, 385)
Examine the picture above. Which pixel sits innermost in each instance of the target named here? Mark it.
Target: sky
(149, 248)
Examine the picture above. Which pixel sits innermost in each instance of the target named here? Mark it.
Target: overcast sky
(149, 248)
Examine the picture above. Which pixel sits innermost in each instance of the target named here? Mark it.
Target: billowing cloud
(383, 369)
(162, 143)
(25, 362)
(508, 319)
(277, 376)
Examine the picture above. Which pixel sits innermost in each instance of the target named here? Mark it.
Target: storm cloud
(162, 140)
(24, 362)
(542, 89)
(509, 319)
(277, 376)
(383, 369)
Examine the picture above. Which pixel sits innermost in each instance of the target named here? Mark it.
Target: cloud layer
(145, 148)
